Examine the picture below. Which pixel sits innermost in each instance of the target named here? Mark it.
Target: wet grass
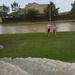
(36, 22)
(39, 45)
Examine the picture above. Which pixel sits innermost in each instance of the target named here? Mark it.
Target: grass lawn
(39, 45)
(37, 22)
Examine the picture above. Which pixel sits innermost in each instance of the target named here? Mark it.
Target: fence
(39, 18)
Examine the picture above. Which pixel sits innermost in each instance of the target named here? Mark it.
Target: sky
(64, 5)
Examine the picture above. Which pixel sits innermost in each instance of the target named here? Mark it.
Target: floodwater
(35, 66)
(11, 29)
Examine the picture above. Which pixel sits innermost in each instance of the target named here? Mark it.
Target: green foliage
(39, 45)
(47, 10)
(72, 12)
(51, 9)
(15, 6)
(2, 14)
(14, 14)
(4, 10)
(32, 13)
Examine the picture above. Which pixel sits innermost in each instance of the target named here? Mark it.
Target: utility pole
(49, 12)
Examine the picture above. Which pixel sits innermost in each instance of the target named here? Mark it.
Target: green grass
(24, 23)
(37, 22)
(39, 45)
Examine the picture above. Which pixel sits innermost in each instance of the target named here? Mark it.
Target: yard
(39, 45)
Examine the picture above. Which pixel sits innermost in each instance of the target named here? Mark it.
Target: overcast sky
(64, 5)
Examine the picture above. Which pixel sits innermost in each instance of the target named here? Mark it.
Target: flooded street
(34, 28)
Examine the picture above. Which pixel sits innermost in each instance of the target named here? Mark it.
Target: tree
(2, 14)
(32, 13)
(72, 12)
(4, 10)
(15, 8)
(51, 9)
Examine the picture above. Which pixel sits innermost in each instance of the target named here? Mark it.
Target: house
(39, 7)
(64, 13)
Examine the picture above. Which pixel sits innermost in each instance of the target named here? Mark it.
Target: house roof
(23, 10)
(42, 5)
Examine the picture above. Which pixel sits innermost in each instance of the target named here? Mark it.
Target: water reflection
(64, 27)
(35, 28)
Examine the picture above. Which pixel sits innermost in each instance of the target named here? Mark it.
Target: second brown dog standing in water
(55, 30)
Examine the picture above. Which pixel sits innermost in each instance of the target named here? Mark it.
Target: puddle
(35, 28)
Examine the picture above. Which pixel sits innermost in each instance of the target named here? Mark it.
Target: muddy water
(35, 28)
